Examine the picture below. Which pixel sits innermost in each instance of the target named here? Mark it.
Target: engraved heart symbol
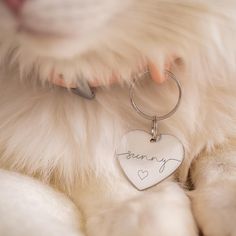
(142, 174)
(144, 163)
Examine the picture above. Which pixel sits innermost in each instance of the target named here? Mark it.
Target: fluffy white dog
(63, 140)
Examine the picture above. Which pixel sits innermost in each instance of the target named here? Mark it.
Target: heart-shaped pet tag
(147, 163)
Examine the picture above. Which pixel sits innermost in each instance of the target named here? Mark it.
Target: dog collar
(87, 89)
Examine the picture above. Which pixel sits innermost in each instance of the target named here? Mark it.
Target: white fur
(28, 207)
(49, 133)
(148, 214)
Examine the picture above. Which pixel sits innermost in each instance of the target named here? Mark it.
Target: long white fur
(68, 142)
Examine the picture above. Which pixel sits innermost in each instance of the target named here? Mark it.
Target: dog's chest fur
(62, 139)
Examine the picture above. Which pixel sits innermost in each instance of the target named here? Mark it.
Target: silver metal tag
(146, 163)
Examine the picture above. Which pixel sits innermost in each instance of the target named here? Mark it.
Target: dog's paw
(163, 213)
(29, 207)
(215, 208)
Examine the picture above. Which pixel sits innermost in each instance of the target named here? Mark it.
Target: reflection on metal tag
(146, 163)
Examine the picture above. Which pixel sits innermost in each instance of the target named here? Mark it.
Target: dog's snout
(14, 5)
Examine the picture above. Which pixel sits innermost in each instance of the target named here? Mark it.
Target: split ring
(155, 117)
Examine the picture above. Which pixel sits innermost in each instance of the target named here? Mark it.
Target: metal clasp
(154, 130)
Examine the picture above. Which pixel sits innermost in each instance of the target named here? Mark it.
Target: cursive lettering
(162, 161)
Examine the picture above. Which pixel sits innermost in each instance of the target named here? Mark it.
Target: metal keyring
(155, 117)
